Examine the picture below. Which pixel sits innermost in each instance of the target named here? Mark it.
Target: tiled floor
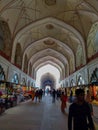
(34, 116)
(37, 116)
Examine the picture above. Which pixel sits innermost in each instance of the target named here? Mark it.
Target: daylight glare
(48, 69)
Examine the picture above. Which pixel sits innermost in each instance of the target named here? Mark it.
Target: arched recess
(94, 76)
(5, 39)
(80, 80)
(18, 55)
(72, 83)
(15, 78)
(23, 82)
(2, 74)
(25, 65)
(48, 80)
(92, 40)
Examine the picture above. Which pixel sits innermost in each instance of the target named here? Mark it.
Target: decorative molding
(49, 42)
(49, 26)
(50, 2)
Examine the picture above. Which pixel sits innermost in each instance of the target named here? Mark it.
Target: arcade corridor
(37, 116)
(36, 35)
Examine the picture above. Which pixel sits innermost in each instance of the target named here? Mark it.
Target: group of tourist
(37, 95)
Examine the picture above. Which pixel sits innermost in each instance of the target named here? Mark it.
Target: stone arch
(5, 39)
(94, 76)
(18, 55)
(51, 52)
(66, 48)
(45, 21)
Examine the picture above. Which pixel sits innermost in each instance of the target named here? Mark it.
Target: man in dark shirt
(79, 113)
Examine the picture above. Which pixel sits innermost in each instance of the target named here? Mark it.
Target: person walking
(40, 94)
(33, 94)
(36, 95)
(79, 117)
(71, 96)
(63, 102)
(53, 95)
(89, 101)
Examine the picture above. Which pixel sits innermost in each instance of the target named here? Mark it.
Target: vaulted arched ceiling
(50, 31)
(52, 61)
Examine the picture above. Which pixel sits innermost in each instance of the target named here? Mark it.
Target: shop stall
(94, 92)
(9, 93)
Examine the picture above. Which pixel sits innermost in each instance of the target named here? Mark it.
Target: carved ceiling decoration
(50, 2)
(49, 26)
(49, 42)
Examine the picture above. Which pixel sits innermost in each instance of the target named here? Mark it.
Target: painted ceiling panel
(49, 27)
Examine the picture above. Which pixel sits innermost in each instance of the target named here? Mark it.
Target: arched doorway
(48, 81)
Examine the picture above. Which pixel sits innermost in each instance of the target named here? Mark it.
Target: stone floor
(34, 116)
(95, 117)
(29, 115)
